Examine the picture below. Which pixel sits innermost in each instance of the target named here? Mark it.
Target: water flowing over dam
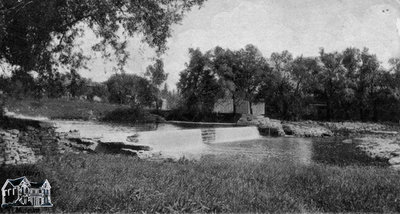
(193, 141)
(222, 135)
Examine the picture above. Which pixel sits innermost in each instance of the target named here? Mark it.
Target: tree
(240, 73)
(277, 97)
(165, 92)
(156, 73)
(304, 71)
(362, 70)
(156, 76)
(224, 63)
(39, 35)
(23, 84)
(75, 83)
(198, 84)
(368, 77)
(129, 89)
(392, 85)
(251, 71)
(332, 79)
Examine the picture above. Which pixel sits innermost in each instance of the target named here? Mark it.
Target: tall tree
(303, 77)
(198, 84)
(156, 73)
(240, 73)
(130, 89)
(281, 64)
(37, 35)
(157, 76)
(225, 64)
(368, 77)
(251, 72)
(332, 79)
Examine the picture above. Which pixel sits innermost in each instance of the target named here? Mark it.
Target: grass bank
(109, 183)
(80, 110)
(61, 108)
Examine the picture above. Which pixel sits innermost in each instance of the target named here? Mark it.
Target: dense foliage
(37, 38)
(130, 89)
(197, 84)
(119, 88)
(38, 35)
(347, 85)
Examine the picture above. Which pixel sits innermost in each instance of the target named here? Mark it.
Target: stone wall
(26, 141)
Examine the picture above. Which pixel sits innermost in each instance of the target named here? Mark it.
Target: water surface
(175, 141)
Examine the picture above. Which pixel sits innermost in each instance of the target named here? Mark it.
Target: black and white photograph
(200, 106)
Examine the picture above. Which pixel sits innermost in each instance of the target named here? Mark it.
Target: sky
(299, 26)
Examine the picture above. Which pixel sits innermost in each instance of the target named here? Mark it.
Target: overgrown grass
(61, 108)
(109, 183)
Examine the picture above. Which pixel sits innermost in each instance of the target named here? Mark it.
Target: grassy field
(109, 183)
(62, 108)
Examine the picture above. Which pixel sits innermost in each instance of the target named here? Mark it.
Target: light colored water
(193, 143)
(108, 131)
(174, 141)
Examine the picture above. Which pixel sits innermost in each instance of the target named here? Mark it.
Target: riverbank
(117, 183)
(86, 110)
(377, 140)
(318, 128)
(65, 109)
(74, 109)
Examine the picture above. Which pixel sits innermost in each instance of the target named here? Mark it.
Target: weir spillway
(177, 142)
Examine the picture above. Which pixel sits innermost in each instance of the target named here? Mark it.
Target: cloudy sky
(300, 26)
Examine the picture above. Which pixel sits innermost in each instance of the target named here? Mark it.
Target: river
(176, 141)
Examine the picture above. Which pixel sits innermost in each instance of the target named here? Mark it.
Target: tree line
(347, 85)
(120, 88)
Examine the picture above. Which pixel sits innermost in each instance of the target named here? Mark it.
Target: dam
(176, 143)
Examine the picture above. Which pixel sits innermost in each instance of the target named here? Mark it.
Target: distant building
(22, 192)
(242, 107)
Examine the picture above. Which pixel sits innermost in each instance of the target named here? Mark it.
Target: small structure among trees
(241, 107)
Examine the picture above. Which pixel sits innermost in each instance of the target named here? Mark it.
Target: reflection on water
(283, 149)
(176, 141)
